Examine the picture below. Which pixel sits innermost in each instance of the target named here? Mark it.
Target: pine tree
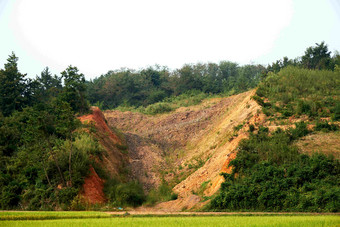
(12, 87)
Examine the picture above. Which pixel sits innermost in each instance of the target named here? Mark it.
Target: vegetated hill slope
(187, 148)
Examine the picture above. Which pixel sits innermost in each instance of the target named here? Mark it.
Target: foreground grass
(320, 220)
(44, 215)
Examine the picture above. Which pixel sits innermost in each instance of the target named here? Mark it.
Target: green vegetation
(45, 153)
(49, 215)
(162, 193)
(297, 91)
(129, 90)
(270, 174)
(124, 194)
(186, 99)
(305, 220)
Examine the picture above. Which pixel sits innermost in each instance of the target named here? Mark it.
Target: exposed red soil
(92, 190)
(97, 117)
(112, 159)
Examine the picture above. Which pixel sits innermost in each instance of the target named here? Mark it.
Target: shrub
(258, 100)
(325, 126)
(66, 196)
(158, 108)
(129, 194)
(162, 193)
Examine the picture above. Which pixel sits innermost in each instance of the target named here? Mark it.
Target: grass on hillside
(307, 221)
(296, 91)
(169, 104)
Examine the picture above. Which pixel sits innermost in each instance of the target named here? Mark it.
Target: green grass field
(48, 215)
(61, 219)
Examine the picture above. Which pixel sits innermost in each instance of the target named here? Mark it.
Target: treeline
(131, 88)
(316, 57)
(141, 88)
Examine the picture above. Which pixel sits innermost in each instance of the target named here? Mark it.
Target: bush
(129, 194)
(78, 203)
(66, 196)
(161, 194)
(325, 126)
(336, 112)
(158, 108)
(258, 100)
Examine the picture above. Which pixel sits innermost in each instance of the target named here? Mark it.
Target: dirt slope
(187, 147)
(113, 160)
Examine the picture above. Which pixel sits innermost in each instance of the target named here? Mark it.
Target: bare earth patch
(326, 143)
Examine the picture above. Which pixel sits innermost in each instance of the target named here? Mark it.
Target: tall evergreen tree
(12, 87)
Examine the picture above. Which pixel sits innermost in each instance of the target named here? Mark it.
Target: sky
(102, 35)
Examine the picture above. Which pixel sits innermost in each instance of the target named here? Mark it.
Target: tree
(74, 90)
(49, 86)
(65, 124)
(317, 57)
(12, 87)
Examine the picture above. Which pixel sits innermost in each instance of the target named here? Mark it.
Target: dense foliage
(42, 154)
(148, 86)
(269, 174)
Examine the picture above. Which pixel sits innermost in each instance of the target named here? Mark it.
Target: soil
(114, 160)
(326, 143)
(93, 188)
(187, 147)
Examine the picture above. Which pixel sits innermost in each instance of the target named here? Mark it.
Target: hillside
(178, 140)
(187, 147)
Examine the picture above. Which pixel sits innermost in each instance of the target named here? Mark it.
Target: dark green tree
(74, 89)
(12, 87)
(48, 86)
(317, 57)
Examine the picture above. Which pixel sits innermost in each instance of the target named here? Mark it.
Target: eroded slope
(187, 147)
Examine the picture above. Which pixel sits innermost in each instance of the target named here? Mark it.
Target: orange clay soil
(92, 191)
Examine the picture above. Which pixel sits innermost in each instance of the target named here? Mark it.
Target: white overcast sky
(101, 35)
